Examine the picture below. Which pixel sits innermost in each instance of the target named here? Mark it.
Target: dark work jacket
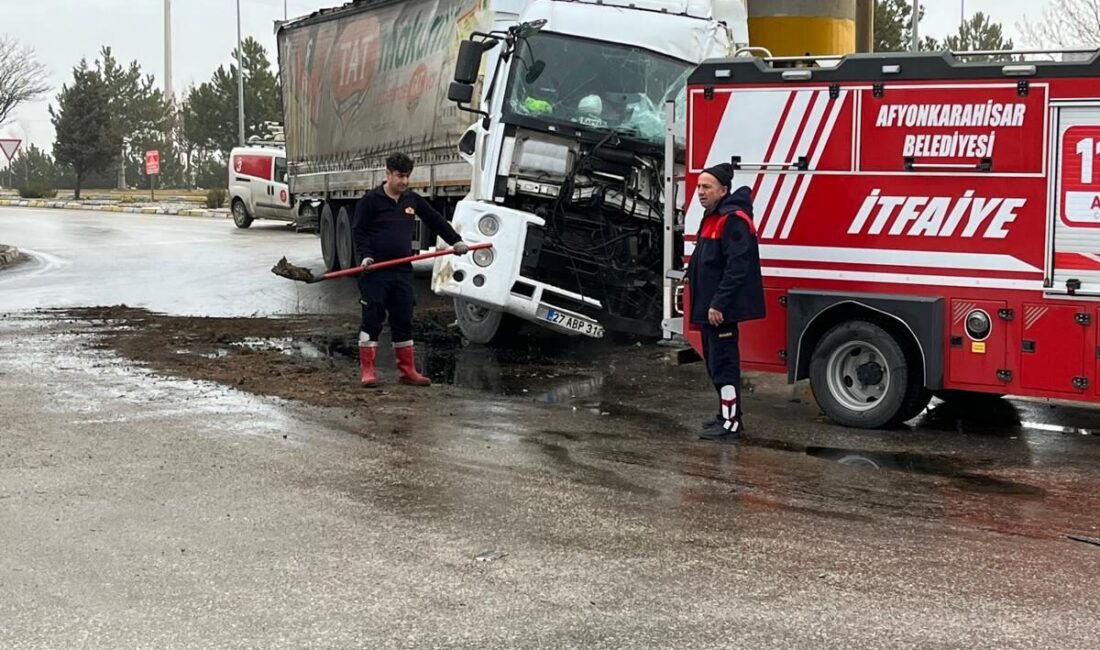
(724, 271)
(383, 228)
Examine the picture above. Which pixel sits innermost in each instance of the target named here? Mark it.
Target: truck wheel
(485, 326)
(345, 244)
(861, 377)
(326, 228)
(915, 404)
(241, 218)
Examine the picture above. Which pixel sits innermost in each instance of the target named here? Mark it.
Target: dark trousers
(722, 353)
(383, 293)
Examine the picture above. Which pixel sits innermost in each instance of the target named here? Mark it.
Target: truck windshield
(594, 84)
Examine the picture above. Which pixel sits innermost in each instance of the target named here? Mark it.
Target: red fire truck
(927, 224)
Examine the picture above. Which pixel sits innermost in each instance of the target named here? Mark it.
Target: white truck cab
(258, 185)
(568, 159)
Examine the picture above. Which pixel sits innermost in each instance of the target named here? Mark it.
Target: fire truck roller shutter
(872, 359)
(797, 27)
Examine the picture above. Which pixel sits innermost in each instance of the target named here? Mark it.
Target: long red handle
(399, 261)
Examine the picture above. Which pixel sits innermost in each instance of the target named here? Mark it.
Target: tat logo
(936, 216)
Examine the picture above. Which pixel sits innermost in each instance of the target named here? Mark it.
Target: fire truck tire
(241, 218)
(485, 326)
(345, 243)
(862, 377)
(326, 230)
(915, 404)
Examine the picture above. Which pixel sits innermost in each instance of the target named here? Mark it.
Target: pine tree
(82, 121)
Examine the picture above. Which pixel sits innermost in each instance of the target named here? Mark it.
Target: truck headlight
(489, 225)
(483, 257)
(543, 158)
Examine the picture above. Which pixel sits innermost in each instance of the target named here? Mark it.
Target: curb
(73, 205)
(8, 254)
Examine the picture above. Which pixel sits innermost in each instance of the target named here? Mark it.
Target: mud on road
(314, 359)
(981, 457)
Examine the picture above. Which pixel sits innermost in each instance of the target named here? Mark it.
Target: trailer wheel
(485, 326)
(345, 243)
(861, 377)
(241, 218)
(326, 228)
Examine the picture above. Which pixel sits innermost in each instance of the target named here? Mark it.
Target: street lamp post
(240, 79)
(916, 21)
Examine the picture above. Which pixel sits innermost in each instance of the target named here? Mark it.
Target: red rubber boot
(406, 363)
(367, 355)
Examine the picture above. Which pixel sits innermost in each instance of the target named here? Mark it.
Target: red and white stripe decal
(1032, 314)
(921, 259)
(821, 142)
(776, 189)
(1077, 261)
(772, 126)
(960, 312)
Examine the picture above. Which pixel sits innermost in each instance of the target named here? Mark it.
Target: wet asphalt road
(143, 511)
(177, 265)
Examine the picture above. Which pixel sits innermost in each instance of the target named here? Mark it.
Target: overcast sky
(204, 33)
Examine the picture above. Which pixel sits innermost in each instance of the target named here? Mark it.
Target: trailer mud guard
(810, 313)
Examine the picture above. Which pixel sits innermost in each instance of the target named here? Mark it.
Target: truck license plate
(570, 322)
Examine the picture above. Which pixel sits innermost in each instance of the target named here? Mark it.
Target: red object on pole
(152, 162)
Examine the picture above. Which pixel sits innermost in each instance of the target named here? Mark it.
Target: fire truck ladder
(672, 324)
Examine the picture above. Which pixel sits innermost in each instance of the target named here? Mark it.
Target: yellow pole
(801, 27)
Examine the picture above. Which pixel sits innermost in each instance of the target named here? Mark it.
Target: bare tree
(22, 77)
(1065, 24)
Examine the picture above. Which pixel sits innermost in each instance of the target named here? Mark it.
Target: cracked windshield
(595, 84)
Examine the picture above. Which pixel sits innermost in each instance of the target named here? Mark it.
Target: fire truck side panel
(977, 359)
(1053, 348)
(1076, 222)
(1094, 353)
(764, 344)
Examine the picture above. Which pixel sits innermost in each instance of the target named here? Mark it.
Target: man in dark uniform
(726, 288)
(383, 230)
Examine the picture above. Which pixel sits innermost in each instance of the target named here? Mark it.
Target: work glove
(461, 248)
(367, 261)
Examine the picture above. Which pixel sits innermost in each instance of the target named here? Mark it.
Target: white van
(257, 185)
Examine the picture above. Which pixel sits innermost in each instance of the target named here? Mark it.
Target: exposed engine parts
(603, 209)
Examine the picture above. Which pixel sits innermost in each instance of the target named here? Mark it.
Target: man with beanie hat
(726, 288)
(383, 230)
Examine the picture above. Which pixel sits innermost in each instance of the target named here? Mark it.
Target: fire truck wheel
(861, 376)
(484, 326)
(241, 218)
(916, 404)
(326, 229)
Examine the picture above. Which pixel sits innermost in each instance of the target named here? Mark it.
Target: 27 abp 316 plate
(569, 322)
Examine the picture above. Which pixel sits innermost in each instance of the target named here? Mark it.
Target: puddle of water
(523, 371)
(216, 354)
(1054, 428)
(285, 345)
(924, 464)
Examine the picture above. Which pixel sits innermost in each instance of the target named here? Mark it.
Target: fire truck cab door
(1076, 193)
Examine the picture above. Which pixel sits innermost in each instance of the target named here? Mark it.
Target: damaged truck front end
(568, 169)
